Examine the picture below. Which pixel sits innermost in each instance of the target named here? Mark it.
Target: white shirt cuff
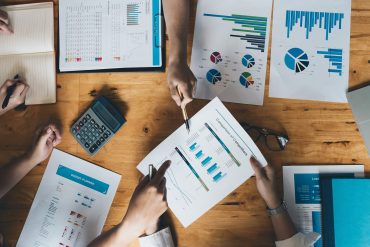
(162, 238)
(299, 240)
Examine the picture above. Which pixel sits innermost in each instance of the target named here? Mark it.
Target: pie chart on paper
(248, 61)
(296, 60)
(214, 76)
(216, 57)
(246, 79)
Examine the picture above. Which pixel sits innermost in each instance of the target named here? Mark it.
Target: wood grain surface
(320, 133)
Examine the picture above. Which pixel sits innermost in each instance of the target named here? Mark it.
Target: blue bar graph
(335, 57)
(251, 29)
(309, 19)
(222, 144)
(206, 161)
(199, 154)
(191, 168)
(212, 169)
(219, 176)
(193, 147)
(133, 12)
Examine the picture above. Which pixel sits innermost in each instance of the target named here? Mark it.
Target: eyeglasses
(274, 141)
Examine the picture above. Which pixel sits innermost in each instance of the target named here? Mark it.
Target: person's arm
(13, 172)
(147, 204)
(176, 14)
(267, 187)
(4, 23)
(18, 96)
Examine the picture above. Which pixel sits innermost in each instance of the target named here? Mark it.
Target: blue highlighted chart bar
(193, 147)
(191, 168)
(335, 57)
(212, 169)
(199, 154)
(82, 179)
(219, 176)
(206, 161)
(222, 144)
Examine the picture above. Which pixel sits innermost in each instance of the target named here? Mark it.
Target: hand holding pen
(184, 113)
(12, 94)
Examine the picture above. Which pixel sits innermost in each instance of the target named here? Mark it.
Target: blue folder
(345, 212)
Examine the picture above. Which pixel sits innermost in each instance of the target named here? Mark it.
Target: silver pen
(151, 167)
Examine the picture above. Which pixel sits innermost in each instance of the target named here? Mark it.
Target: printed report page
(71, 204)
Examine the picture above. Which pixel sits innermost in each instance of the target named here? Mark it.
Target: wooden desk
(320, 133)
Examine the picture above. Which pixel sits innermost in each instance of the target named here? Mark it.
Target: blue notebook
(345, 212)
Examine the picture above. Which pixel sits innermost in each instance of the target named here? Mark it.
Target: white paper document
(310, 50)
(114, 34)
(207, 164)
(230, 49)
(71, 204)
(302, 192)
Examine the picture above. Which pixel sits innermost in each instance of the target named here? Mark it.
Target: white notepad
(29, 51)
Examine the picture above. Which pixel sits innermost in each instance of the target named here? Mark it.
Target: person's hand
(4, 23)
(47, 138)
(147, 204)
(18, 96)
(266, 184)
(180, 76)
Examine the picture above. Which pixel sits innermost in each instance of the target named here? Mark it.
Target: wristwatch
(279, 210)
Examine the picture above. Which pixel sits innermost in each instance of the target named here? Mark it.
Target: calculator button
(93, 130)
(89, 125)
(84, 120)
(88, 116)
(90, 141)
(105, 135)
(87, 145)
(74, 131)
(100, 131)
(108, 132)
(97, 134)
(80, 124)
(103, 128)
(93, 138)
(92, 121)
(93, 148)
(96, 126)
(78, 128)
(98, 143)
(78, 136)
(101, 139)
(89, 134)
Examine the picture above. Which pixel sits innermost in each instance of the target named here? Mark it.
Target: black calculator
(97, 125)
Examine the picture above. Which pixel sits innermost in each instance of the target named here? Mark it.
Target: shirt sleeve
(299, 240)
(162, 238)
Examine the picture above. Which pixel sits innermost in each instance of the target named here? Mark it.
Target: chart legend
(216, 57)
(251, 29)
(335, 57)
(309, 20)
(297, 60)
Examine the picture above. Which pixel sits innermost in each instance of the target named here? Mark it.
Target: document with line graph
(207, 164)
(108, 35)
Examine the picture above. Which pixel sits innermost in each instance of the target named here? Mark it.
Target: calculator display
(105, 116)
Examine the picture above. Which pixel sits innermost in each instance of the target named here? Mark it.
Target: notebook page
(38, 70)
(33, 26)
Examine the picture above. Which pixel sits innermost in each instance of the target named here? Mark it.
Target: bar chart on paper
(335, 58)
(310, 20)
(238, 46)
(310, 50)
